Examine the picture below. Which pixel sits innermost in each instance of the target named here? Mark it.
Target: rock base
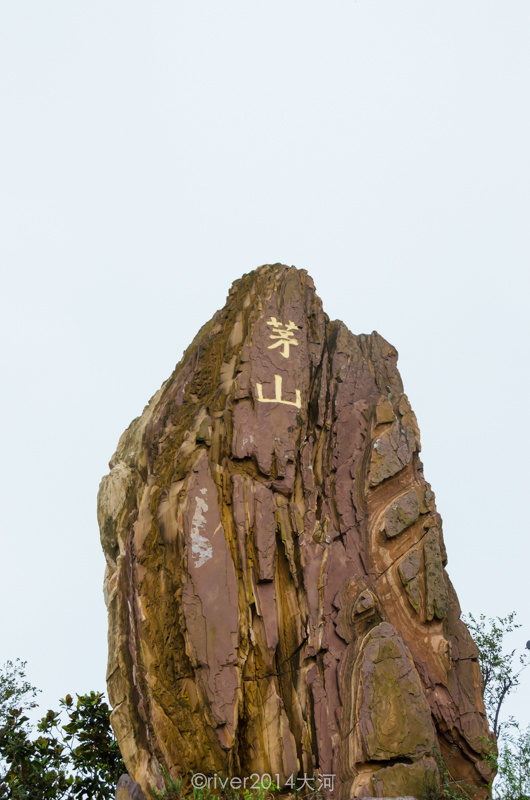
(127, 789)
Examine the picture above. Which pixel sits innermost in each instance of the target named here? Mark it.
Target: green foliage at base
(175, 790)
(74, 760)
(447, 788)
(512, 763)
(501, 670)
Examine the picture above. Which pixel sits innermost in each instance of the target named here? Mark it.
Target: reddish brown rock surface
(276, 585)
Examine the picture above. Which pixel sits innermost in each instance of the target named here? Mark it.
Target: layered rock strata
(276, 586)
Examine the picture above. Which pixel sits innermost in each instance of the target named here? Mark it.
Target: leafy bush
(497, 667)
(74, 760)
(501, 672)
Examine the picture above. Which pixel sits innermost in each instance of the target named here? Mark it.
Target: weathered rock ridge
(275, 581)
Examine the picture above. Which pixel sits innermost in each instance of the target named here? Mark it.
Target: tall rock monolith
(276, 586)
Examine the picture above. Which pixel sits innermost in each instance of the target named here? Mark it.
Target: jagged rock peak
(276, 586)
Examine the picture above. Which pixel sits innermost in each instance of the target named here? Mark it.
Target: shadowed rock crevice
(276, 584)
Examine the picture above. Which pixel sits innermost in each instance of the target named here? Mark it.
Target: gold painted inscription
(278, 394)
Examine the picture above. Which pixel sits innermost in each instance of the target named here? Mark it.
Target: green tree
(15, 691)
(76, 759)
(501, 671)
(501, 675)
(513, 763)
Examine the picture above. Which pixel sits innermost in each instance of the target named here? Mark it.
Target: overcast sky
(152, 153)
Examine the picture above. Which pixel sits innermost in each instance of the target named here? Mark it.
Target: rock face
(276, 586)
(127, 789)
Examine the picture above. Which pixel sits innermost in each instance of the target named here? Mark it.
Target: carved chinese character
(284, 333)
(278, 394)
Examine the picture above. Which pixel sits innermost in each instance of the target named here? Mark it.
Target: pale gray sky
(151, 153)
